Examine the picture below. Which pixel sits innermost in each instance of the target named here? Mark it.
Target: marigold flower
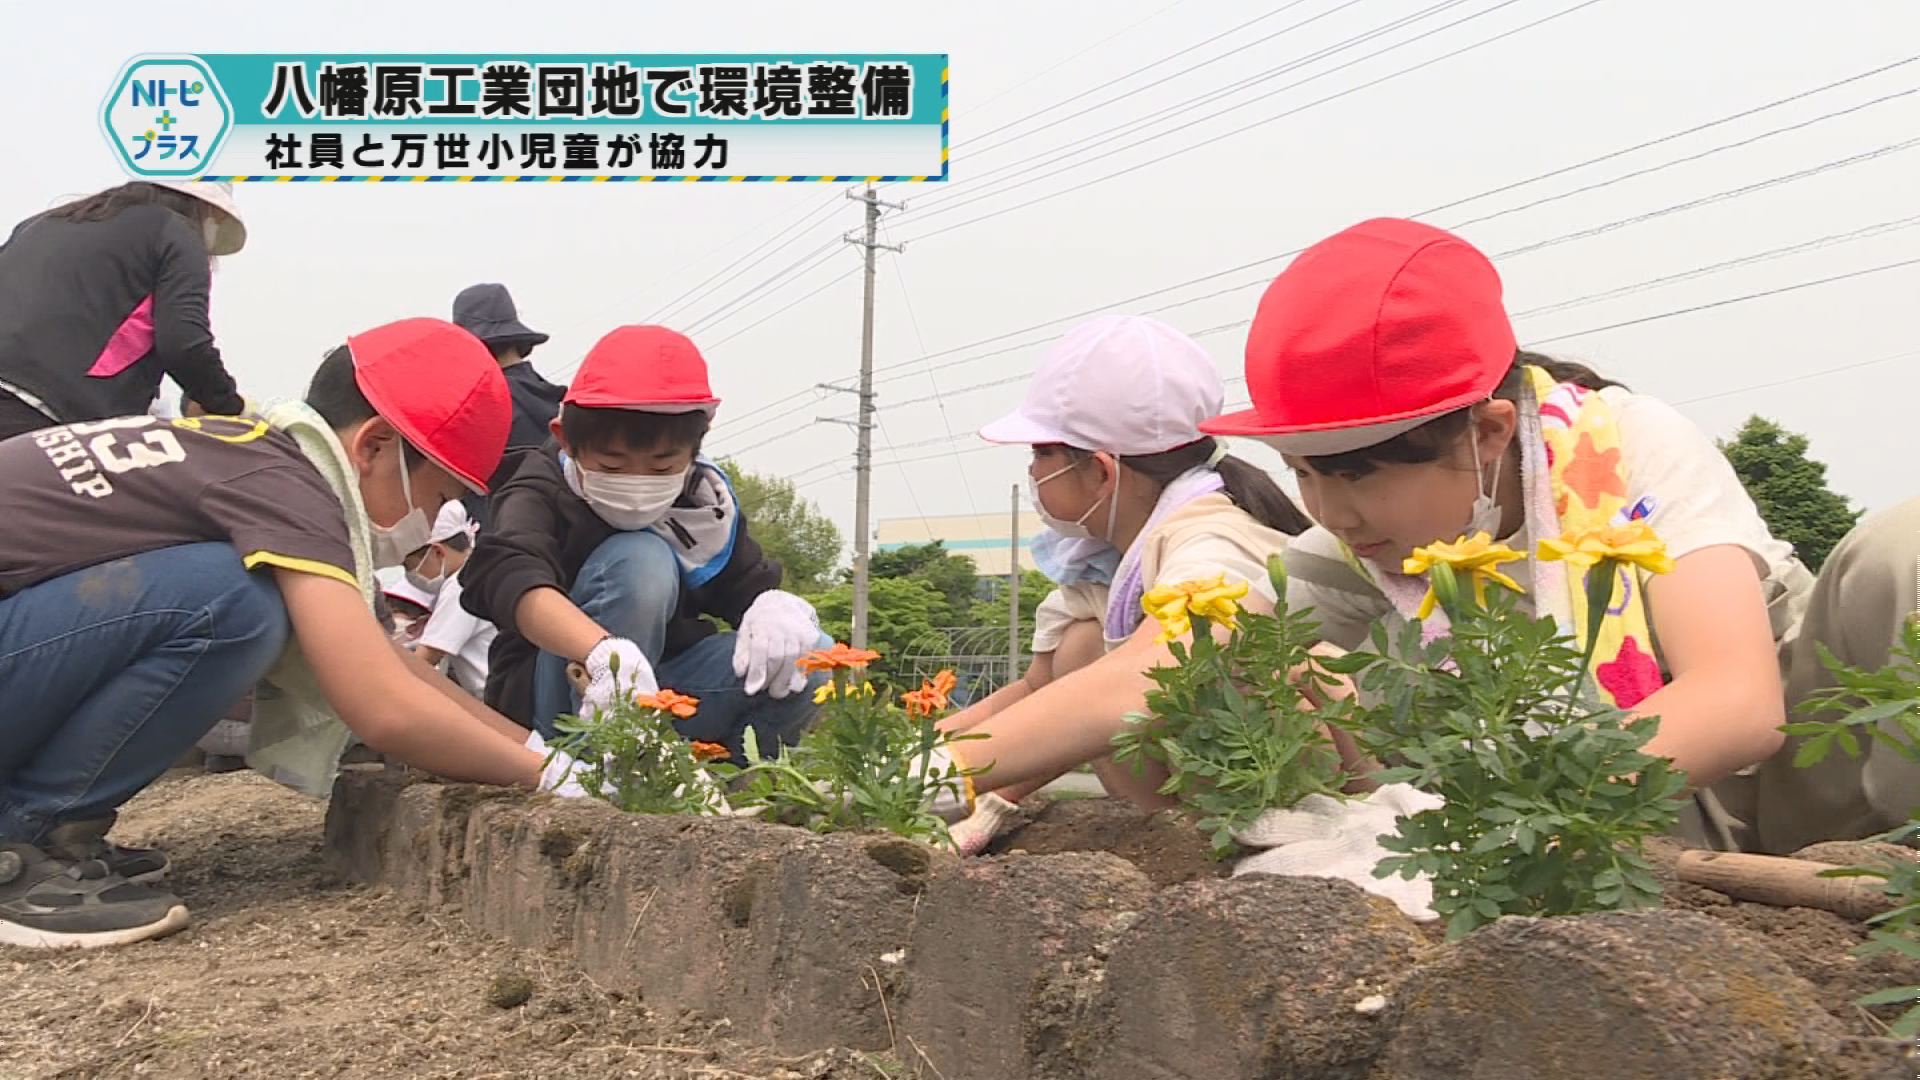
(709, 751)
(932, 697)
(1476, 555)
(828, 692)
(666, 701)
(1173, 606)
(840, 656)
(1633, 544)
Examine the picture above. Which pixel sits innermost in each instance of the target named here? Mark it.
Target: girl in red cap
(1134, 496)
(164, 568)
(1383, 366)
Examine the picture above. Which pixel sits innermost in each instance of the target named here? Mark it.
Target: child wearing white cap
(451, 635)
(1134, 496)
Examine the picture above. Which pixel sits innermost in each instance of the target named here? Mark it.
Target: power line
(828, 284)
(1169, 58)
(1064, 61)
(695, 294)
(906, 298)
(1062, 153)
(1717, 197)
(812, 260)
(1822, 373)
(1731, 300)
(1264, 120)
(1268, 260)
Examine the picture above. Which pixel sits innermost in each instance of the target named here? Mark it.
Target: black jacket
(535, 403)
(541, 533)
(66, 289)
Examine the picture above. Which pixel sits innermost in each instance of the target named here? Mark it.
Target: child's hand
(774, 634)
(616, 665)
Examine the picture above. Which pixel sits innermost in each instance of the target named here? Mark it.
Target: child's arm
(423, 669)
(1724, 707)
(382, 701)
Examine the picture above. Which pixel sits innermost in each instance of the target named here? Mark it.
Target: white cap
(231, 233)
(451, 522)
(1126, 384)
(394, 583)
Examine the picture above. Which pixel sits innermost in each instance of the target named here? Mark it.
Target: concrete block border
(1077, 966)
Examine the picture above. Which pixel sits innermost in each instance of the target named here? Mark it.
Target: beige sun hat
(230, 235)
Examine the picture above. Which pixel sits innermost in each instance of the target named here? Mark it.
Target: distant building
(982, 538)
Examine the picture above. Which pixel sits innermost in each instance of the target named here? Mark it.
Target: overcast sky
(1194, 196)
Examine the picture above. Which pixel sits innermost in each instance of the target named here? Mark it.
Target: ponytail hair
(1249, 486)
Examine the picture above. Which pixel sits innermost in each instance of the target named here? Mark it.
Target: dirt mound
(1164, 846)
(289, 973)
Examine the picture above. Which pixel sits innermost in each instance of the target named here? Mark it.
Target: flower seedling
(630, 755)
(1549, 793)
(1234, 720)
(867, 762)
(1884, 703)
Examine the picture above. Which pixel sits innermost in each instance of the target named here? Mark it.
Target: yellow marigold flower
(1173, 606)
(1476, 555)
(1634, 544)
(824, 694)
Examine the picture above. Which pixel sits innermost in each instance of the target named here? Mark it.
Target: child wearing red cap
(614, 544)
(170, 567)
(1383, 366)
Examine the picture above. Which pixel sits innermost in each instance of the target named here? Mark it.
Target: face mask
(428, 584)
(1077, 528)
(1485, 517)
(393, 543)
(628, 503)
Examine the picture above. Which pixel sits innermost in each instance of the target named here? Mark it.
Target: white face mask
(628, 503)
(393, 543)
(1077, 528)
(428, 584)
(1485, 517)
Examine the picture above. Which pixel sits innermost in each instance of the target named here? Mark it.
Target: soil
(1164, 846)
(1818, 945)
(287, 972)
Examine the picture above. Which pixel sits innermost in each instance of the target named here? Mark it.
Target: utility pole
(1013, 592)
(863, 454)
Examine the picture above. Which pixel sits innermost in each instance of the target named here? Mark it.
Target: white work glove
(636, 675)
(774, 634)
(557, 776)
(991, 816)
(1322, 836)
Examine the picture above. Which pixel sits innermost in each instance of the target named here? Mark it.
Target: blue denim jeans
(630, 585)
(112, 672)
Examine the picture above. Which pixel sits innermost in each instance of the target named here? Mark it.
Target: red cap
(644, 368)
(441, 389)
(1370, 333)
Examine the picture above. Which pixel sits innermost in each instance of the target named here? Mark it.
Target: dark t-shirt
(85, 494)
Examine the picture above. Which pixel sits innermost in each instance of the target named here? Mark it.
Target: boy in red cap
(612, 544)
(170, 566)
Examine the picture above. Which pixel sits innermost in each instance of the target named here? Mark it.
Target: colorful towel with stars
(1589, 491)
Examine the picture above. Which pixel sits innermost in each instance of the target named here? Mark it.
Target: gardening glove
(955, 803)
(774, 634)
(1322, 836)
(991, 816)
(635, 677)
(557, 777)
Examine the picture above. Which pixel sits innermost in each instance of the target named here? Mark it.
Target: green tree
(952, 576)
(1034, 587)
(1790, 488)
(904, 613)
(789, 529)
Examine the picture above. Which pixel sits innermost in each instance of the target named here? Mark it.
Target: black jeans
(17, 417)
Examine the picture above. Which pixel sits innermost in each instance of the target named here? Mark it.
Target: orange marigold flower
(840, 656)
(666, 701)
(709, 751)
(932, 697)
